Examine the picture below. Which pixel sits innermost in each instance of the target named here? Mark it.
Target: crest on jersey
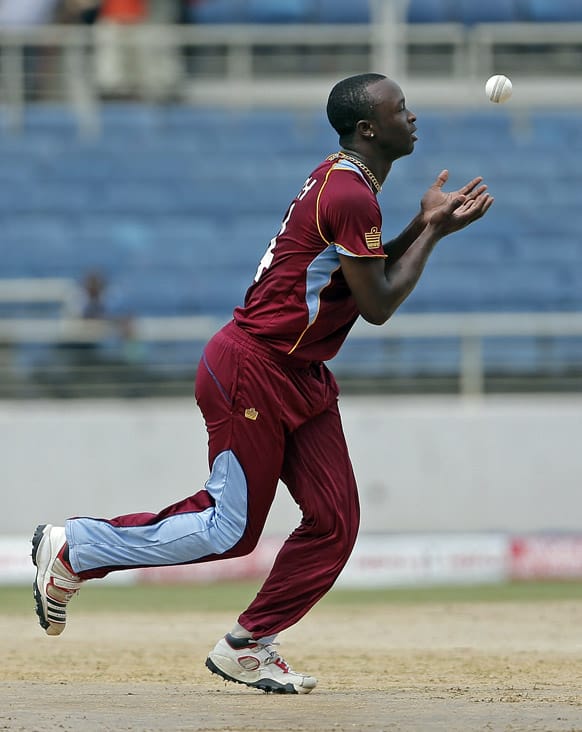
(373, 238)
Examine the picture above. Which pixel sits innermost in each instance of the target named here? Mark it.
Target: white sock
(265, 640)
(239, 632)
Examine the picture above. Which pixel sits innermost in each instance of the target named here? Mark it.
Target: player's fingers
(468, 187)
(441, 179)
(455, 204)
(479, 200)
(477, 192)
(488, 203)
(473, 209)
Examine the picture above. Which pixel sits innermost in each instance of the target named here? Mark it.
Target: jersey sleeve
(349, 217)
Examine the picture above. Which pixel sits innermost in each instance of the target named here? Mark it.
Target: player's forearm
(380, 287)
(403, 275)
(398, 246)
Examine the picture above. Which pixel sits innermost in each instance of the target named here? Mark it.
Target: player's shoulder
(346, 183)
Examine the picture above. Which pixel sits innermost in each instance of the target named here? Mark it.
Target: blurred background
(149, 149)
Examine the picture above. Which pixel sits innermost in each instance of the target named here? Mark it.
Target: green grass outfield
(234, 595)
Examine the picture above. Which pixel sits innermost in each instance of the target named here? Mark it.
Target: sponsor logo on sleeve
(373, 238)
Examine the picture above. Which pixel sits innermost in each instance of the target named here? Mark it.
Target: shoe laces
(275, 657)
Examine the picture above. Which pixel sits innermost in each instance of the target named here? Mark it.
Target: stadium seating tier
(176, 206)
(468, 12)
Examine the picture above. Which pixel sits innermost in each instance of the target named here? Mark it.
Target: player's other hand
(435, 198)
(459, 211)
(453, 210)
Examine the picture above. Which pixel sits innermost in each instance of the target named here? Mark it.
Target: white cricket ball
(498, 88)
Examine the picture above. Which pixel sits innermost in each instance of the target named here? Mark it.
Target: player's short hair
(349, 101)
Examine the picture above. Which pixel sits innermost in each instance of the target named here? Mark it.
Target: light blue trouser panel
(176, 539)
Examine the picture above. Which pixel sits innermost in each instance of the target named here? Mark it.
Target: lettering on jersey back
(309, 183)
(267, 258)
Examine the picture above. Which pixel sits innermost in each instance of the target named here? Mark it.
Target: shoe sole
(50, 627)
(266, 685)
(36, 539)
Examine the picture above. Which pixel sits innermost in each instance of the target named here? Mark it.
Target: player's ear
(365, 128)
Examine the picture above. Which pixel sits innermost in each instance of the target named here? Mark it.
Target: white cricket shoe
(246, 661)
(55, 583)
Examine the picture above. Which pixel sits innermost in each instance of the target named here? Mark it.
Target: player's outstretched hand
(435, 197)
(459, 210)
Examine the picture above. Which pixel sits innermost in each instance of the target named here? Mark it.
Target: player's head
(370, 108)
(350, 101)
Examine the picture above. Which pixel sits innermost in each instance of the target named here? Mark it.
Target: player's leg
(319, 476)
(223, 520)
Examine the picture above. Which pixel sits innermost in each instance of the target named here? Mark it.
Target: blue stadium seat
(343, 11)
(556, 129)
(430, 11)
(427, 356)
(55, 119)
(30, 255)
(525, 287)
(452, 288)
(559, 351)
(217, 11)
(220, 291)
(368, 357)
(58, 197)
(279, 11)
(471, 12)
(514, 355)
(164, 292)
(396, 357)
(137, 197)
(83, 166)
(547, 249)
(569, 218)
(549, 11)
(487, 125)
(19, 169)
(183, 357)
(474, 248)
(121, 117)
(185, 249)
(148, 208)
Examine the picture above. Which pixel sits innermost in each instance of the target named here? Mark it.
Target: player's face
(392, 123)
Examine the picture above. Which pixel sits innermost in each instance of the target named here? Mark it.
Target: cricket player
(270, 403)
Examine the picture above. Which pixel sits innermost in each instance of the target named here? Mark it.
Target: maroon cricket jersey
(300, 302)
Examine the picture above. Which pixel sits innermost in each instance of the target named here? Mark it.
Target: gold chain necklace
(361, 166)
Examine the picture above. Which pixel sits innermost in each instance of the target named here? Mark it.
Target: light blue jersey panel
(178, 539)
(319, 274)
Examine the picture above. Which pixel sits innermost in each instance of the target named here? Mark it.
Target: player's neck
(379, 171)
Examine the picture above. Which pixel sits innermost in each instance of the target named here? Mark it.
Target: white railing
(60, 291)
(469, 329)
(292, 65)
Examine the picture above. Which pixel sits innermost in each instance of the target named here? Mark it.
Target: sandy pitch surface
(451, 667)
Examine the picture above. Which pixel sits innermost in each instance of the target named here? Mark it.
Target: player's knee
(341, 530)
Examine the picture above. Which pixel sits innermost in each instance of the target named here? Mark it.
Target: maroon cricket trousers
(269, 417)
